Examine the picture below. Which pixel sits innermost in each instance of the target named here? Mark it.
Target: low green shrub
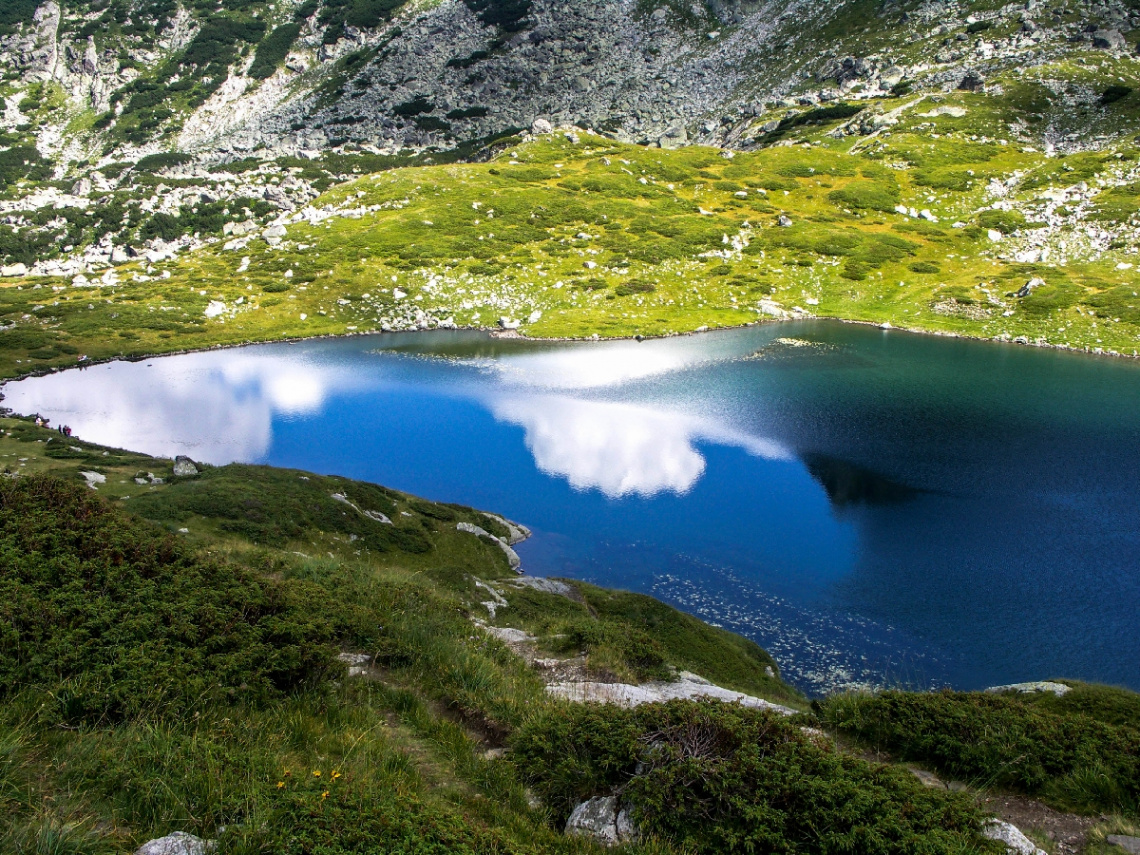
(273, 50)
(111, 619)
(720, 778)
(1006, 222)
(1066, 757)
(274, 506)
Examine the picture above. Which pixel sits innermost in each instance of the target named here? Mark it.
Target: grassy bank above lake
(169, 653)
(936, 222)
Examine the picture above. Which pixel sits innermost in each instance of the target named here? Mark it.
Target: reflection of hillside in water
(848, 484)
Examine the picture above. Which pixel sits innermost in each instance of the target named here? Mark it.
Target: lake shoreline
(499, 333)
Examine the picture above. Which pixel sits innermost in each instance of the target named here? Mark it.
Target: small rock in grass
(94, 479)
(1128, 844)
(1015, 842)
(178, 843)
(601, 820)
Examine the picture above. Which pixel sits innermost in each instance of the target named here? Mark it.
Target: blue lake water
(872, 507)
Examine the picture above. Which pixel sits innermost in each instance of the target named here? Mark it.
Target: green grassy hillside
(934, 223)
(168, 647)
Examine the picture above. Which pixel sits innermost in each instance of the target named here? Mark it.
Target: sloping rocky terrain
(139, 138)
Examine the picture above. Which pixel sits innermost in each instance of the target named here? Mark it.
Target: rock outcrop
(178, 843)
(1015, 842)
(603, 820)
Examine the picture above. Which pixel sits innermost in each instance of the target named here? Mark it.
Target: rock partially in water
(1011, 836)
(603, 820)
(178, 843)
(1057, 689)
(516, 532)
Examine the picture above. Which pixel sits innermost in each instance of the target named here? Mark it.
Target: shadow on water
(848, 484)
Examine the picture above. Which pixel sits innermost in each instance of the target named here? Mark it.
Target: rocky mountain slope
(136, 134)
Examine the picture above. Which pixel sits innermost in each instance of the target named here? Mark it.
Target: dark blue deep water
(872, 507)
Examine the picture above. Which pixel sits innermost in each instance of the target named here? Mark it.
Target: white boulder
(178, 843)
(1015, 842)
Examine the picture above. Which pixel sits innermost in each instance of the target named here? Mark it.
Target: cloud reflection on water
(220, 406)
(215, 407)
(620, 449)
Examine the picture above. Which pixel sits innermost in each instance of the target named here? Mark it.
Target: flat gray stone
(1128, 844)
(1057, 689)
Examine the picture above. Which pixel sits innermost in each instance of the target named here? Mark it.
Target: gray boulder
(184, 467)
(1108, 40)
(178, 843)
(972, 82)
(1015, 842)
(602, 820)
(1128, 844)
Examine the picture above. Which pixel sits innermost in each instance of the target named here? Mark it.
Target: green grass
(616, 240)
(156, 680)
(166, 662)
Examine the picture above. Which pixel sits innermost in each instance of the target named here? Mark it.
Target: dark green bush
(1006, 222)
(1115, 93)
(720, 778)
(634, 286)
(162, 160)
(866, 195)
(926, 267)
(20, 162)
(418, 105)
(110, 618)
(508, 15)
(273, 50)
(16, 12)
(216, 43)
(275, 506)
(1071, 759)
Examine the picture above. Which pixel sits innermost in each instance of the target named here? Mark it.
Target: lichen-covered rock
(184, 467)
(1015, 842)
(178, 843)
(603, 820)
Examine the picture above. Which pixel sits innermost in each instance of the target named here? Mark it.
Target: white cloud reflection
(620, 449)
(216, 407)
(220, 406)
